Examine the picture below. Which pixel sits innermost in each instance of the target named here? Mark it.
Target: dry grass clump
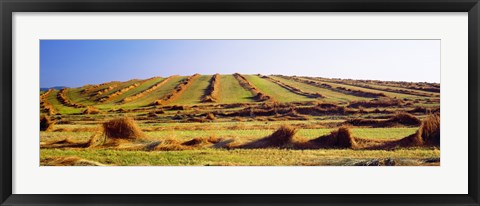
(430, 130)
(213, 89)
(258, 95)
(341, 138)
(283, 137)
(46, 124)
(146, 91)
(118, 133)
(122, 128)
(91, 110)
(381, 102)
(427, 135)
(179, 89)
(62, 98)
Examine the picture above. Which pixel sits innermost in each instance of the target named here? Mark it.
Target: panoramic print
(239, 103)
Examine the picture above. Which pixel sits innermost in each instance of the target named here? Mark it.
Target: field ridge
(212, 91)
(257, 93)
(179, 89)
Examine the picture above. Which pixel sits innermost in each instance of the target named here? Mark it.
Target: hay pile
(430, 130)
(46, 124)
(283, 137)
(427, 135)
(341, 138)
(122, 128)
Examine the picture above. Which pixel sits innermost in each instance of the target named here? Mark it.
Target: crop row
(91, 88)
(146, 91)
(179, 89)
(344, 90)
(62, 98)
(386, 89)
(211, 94)
(258, 95)
(45, 105)
(119, 92)
(294, 89)
(422, 86)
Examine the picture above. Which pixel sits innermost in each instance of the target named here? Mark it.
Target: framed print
(239, 102)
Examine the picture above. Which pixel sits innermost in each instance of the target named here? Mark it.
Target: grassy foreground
(259, 157)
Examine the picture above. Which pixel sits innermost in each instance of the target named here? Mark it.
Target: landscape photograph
(239, 103)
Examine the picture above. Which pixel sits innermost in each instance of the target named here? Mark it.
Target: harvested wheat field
(241, 119)
(239, 102)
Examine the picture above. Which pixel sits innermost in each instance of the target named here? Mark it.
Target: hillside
(182, 90)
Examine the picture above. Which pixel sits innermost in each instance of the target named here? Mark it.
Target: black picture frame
(7, 7)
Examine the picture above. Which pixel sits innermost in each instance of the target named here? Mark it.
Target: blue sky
(75, 63)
